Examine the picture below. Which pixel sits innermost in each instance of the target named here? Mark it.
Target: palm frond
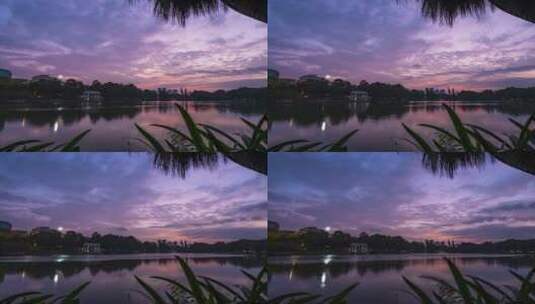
(447, 11)
(180, 11)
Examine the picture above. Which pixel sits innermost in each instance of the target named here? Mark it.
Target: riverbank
(60, 258)
(412, 254)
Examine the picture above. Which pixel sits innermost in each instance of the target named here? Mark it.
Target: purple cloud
(121, 42)
(123, 194)
(394, 194)
(389, 41)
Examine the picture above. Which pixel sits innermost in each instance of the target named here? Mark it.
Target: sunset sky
(111, 40)
(394, 194)
(389, 41)
(122, 193)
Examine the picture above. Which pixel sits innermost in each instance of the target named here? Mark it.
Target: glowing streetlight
(60, 229)
(328, 228)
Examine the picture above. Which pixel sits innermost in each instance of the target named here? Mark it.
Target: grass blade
(154, 143)
(151, 291)
(72, 145)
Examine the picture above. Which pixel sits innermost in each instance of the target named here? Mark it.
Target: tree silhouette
(180, 163)
(181, 10)
(450, 163)
(447, 11)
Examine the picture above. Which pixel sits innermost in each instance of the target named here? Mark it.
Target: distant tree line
(314, 240)
(72, 89)
(71, 242)
(321, 88)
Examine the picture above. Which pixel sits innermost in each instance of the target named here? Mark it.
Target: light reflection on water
(380, 126)
(112, 127)
(112, 277)
(380, 276)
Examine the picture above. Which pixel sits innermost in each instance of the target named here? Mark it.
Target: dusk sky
(122, 193)
(392, 193)
(111, 40)
(389, 41)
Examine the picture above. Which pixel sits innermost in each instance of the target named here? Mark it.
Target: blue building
(273, 74)
(5, 226)
(5, 74)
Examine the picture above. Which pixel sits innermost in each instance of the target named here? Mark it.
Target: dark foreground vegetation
(465, 137)
(460, 288)
(197, 137)
(195, 289)
(466, 289)
(205, 138)
(209, 139)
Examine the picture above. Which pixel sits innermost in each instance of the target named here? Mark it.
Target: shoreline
(62, 258)
(312, 254)
(398, 102)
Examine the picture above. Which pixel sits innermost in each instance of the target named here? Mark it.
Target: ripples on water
(380, 124)
(112, 277)
(113, 126)
(380, 275)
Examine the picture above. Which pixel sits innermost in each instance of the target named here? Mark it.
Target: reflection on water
(380, 275)
(112, 277)
(380, 125)
(113, 126)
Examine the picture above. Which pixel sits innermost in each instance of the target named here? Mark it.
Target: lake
(112, 126)
(112, 276)
(379, 125)
(380, 276)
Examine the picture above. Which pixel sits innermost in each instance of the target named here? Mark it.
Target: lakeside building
(359, 96)
(248, 251)
(5, 74)
(91, 248)
(358, 248)
(91, 96)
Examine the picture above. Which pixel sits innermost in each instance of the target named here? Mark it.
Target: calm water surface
(380, 275)
(113, 125)
(112, 276)
(380, 125)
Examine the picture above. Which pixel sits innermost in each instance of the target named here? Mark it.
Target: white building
(358, 248)
(91, 96)
(359, 96)
(91, 248)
